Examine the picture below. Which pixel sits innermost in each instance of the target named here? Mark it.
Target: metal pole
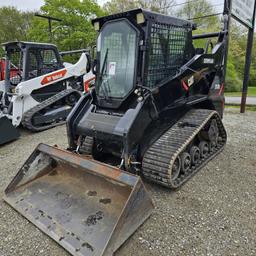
(50, 29)
(227, 19)
(189, 9)
(50, 19)
(247, 64)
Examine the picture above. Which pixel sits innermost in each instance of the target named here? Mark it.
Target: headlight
(96, 26)
(140, 18)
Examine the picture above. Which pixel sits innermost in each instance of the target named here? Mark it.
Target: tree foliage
(195, 10)
(161, 6)
(75, 30)
(14, 25)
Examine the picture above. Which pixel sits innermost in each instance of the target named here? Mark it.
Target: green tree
(233, 81)
(238, 47)
(236, 58)
(161, 6)
(252, 79)
(75, 30)
(14, 25)
(197, 9)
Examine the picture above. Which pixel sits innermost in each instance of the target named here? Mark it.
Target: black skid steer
(155, 113)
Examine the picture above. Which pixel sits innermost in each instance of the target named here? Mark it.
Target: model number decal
(53, 77)
(208, 61)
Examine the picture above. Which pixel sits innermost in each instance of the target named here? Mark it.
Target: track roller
(195, 154)
(185, 162)
(176, 168)
(204, 148)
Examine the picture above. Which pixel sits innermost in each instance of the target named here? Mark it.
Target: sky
(29, 5)
(23, 4)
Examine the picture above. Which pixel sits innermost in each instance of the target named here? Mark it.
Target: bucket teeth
(87, 207)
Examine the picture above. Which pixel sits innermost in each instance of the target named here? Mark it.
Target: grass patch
(247, 108)
(250, 93)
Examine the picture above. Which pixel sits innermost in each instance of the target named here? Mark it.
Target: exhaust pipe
(87, 207)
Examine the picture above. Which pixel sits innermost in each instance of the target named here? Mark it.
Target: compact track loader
(38, 90)
(155, 113)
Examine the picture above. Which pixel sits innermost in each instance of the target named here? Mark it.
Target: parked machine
(13, 69)
(38, 90)
(155, 112)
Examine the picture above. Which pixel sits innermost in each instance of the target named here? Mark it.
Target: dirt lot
(213, 214)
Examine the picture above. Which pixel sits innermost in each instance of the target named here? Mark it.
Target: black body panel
(128, 128)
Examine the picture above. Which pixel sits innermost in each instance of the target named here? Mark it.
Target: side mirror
(94, 52)
(89, 63)
(94, 66)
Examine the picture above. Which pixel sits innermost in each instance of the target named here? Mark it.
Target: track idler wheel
(185, 162)
(204, 148)
(176, 168)
(195, 155)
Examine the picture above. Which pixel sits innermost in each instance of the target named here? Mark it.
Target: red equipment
(13, 70)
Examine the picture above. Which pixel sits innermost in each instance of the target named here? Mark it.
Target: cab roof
(148, 15)
(21, 44)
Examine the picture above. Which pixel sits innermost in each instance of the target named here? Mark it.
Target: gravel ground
(212, 214)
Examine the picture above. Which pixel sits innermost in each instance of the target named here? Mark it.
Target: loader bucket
(87, 207)
(7, 131)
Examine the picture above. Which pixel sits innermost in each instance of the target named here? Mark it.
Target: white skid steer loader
(43, 90)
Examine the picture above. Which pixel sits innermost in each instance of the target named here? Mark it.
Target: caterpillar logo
(53, 77)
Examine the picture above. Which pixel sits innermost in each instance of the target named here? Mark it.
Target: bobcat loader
(155, 113)
(38, 90)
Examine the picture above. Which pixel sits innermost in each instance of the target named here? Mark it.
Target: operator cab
(27, 60)
(138, 49)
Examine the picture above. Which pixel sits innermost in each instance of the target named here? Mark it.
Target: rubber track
(159, 158)
(27, 117)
